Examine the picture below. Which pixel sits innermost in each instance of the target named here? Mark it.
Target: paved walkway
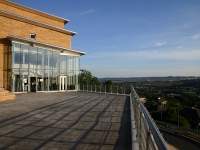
(83, 121)
(30, 101)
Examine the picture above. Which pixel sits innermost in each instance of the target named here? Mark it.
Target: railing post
(95, 88)
(147, 140)
(105, 88)
(117, 90)
(87, 87)
(140, 128)
(111, 89)
(147, 130)
(178, 118)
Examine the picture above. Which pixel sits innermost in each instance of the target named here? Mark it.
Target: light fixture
(33, 36)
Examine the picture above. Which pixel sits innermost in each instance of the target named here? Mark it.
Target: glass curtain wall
(40, 69)
(73, 71)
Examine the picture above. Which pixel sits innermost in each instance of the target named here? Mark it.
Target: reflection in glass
(24, 56)
(32, 57)
(63, 64)
(16, 56)
(46, 80)
(40, 83)
(44, 66)
(18, 83)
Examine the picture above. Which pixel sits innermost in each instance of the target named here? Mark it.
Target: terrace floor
(85, 121)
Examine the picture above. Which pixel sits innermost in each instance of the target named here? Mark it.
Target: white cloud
(178, 55)
(144, 63)
(179, 47)
(196, 36)
(134, 71)
(160, 44)
(186, 55)
(87, 12)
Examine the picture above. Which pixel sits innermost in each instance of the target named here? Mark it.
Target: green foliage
(173, 116)
(108, 85)
(86, 77)
(180, 95)
(184, 123)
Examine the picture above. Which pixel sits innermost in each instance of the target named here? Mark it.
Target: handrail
(112, 89)
(149, 136)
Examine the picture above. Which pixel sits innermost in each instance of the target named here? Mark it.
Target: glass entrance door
(63, 83)
(25, 83)
(33, 84)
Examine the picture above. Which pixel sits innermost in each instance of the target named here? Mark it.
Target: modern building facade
(35, 51)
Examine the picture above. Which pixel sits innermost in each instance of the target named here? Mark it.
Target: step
(1, 89)
(6, 95)
(4, 92)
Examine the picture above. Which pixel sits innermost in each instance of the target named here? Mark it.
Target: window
(40, 59)
(44, 65)
(33, 57)
(24, 56)
(17, 58)
(16, 55)
(63, 64)
(46, 59)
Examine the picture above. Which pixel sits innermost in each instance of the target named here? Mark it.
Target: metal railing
(112, 89)
(145, 133)
(148, 135)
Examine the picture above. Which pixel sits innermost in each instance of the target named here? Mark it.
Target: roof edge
(34, 22)
(9, 2)
(13, 37)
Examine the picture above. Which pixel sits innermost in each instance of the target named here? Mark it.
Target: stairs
(6, 95)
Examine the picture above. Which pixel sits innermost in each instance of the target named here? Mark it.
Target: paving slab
(66, 121)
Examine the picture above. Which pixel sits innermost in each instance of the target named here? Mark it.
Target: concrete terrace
(85, 121)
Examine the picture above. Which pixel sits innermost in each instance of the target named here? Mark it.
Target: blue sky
(129, 38)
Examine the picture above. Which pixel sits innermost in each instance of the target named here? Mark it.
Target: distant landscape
(173, 100)
(139, 79)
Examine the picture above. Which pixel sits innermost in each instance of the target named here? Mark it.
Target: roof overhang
(35, 11)
(34, 22)
(31, 41)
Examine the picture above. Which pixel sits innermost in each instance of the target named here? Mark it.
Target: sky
(132, 38)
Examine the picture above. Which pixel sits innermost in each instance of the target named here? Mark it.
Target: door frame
(63, 83)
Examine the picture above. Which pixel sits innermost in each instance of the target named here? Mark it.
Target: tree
(86, 77)
(108, 85)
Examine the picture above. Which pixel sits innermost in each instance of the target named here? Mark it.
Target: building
(35, 51)
(143, 100)
(161, 104)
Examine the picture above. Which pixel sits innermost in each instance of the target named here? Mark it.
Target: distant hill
(141, 79)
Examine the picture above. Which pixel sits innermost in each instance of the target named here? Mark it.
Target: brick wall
(1, 65)
(44, 35)
(20, 11)
(22, 29)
